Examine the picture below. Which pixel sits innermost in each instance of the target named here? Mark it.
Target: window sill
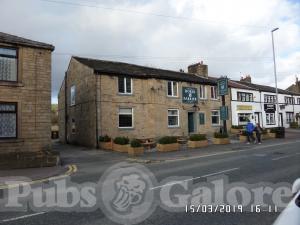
(173, 127)
(11, 140)
(126, 128)
(11, 84)
(125, 94)
(169, 96)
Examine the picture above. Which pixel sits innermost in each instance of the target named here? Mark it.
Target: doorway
(257, 117)
(191, 126)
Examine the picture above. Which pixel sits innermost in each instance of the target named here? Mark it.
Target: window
(213, 92)
(298, 101)
(289, 100)
(172, 89)
(201, 118)
(202, 92)
(173, 118)
(289, 117)
(8, 64)
(244, 97)
(125, 85)
(270, 118)
(8, 120)
(243, 118)
(73, 94)
(270, 98)
(73, 126)
(215, 117)
(125, 118)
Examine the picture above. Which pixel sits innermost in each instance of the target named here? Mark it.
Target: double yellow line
(71, 169)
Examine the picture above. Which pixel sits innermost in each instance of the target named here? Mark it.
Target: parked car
(291, 214)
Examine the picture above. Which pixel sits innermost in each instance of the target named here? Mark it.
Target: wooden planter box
(106, 145)
(135, 151)
(120, 148)
(243, 138)
(167, 147)
(221, 141)
(235, 131)
(272, 135)
(197, 144)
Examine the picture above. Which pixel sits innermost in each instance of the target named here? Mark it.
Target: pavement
(274, 162)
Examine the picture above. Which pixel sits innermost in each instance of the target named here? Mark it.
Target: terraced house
(25, 101)
(118, 99)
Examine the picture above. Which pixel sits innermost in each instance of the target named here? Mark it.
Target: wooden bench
(148, 143)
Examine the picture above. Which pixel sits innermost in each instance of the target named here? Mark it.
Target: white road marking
(286, 156)
(22, 217)
(194, 178)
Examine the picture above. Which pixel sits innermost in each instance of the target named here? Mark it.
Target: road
(270, 162)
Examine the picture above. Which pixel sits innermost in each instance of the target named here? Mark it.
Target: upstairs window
(125, 85)
(172, 89)
(289, 100)
(244, 97)
(270, 98)
(298, 101)
(213, 92)
(8, 120)
(73, 95)
(8, 64)
(202, 92)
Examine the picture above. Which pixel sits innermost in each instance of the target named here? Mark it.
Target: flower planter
(197, 144)
(135, 151)
(221, 141)
(167, 147)
(120, 148)
(243, 138)
(272, 135)
(235, 131)
(106, 145)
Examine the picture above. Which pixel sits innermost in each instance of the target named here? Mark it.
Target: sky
(232, 37)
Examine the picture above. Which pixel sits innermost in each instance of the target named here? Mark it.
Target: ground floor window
(125, 118)
(270, 118)
(215, 117)
(289, 117)
(173, 118)
(244, 118)
(8, 120)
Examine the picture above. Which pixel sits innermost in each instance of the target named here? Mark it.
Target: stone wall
(32, 93)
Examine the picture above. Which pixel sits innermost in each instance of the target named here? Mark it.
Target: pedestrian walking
(249, 129)
(258, 131)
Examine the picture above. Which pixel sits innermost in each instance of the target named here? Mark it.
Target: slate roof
(12, 39)
(142, 72)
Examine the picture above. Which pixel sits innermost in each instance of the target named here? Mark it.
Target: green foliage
(237, 127)
(104, 138)
(167, 140)
(273, 130)
(294, 125)
(198, 137)
(220, 135)
(135, 143)
(121, 140)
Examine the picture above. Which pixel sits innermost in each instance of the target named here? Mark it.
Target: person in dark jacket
(249, 129)
(258, 132)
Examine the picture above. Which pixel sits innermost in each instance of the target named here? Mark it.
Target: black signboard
(270, 108)
(189, 95)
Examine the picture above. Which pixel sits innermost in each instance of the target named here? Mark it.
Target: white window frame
(215, 97)
(215, 124)
(172, 88)
(178, 118)
(73, 95)
(125, 87)
(202, 92)
(290, 117)
(298, 101)
(132, 115)
(268, 117)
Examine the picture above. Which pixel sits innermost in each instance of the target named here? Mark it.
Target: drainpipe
(66, 108)
(96, 105)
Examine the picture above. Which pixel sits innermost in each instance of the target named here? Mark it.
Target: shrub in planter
(197, 141)
(221, 139)
(272, 133)
(294, 125)
(121, 144)
(167, 144)
(105, 142)
(135, 148)
(235, 129)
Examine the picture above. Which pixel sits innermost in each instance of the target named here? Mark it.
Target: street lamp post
(275, 74)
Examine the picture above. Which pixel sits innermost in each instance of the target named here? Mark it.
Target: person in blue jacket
(249, 130)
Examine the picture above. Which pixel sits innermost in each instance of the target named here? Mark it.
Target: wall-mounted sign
(222, 86)
(244, 107)
(189, 95)
(224, 113)
(270, 108)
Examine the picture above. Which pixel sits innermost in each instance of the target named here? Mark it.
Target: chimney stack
(246, 78)
(198, 69)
